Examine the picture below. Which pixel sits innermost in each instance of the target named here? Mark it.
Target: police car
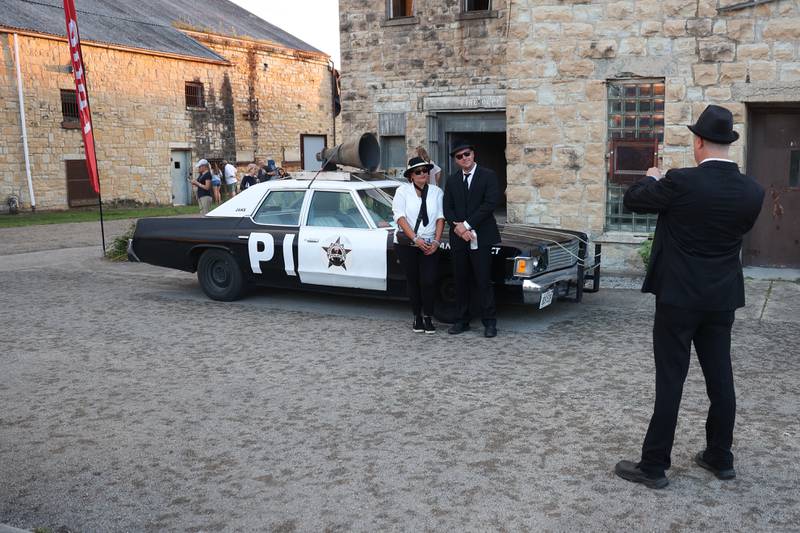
(334, 233)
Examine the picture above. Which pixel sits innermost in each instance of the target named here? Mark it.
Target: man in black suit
(696, 274)
(470, 197)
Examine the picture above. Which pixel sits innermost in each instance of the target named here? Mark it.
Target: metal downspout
(22, 121)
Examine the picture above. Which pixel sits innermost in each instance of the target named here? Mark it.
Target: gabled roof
(148, 24)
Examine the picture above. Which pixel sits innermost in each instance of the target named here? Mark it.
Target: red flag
(82, 96)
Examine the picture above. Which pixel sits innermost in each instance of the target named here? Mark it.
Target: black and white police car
(335, 233)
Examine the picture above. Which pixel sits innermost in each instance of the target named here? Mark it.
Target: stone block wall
(561, 54)
(139, 113)
(392, 66)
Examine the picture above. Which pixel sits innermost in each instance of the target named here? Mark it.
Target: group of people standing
(467, 203)
(209, 182)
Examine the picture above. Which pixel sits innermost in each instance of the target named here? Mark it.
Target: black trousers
(674, 330)
(472, 269)
(421, 271)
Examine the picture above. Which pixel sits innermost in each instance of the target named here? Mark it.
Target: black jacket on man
(477, 209)
(703, 212)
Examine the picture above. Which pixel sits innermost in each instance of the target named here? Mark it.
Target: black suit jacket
(477, 209)
(703, 212)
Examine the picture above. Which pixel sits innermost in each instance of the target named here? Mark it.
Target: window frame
(403, 162)
(300, 214)
(390, 10)
(68, 121)
(367, 220)
(624, 107)
(465, 7)
(201, 96)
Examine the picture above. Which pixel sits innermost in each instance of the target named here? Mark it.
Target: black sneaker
(429, 327)
(418, 327)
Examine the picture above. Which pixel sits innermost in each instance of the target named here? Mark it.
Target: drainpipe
(22, 121)
(333, 95)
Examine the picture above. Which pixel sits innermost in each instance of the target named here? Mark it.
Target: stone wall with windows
(140, 113)
(438, 57)
(563, 58)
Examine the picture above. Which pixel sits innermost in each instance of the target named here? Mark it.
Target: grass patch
(92, 214)
(118, 249)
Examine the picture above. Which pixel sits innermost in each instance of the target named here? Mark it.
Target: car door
(338, 247)
(268, 238)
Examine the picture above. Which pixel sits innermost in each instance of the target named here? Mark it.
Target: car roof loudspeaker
(363, 152)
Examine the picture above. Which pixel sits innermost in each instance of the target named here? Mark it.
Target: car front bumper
(533, 289)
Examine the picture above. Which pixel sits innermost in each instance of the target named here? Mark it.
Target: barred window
(635, 131)
(401, 8)
(69, 105)
(194, 94)
(477, 5)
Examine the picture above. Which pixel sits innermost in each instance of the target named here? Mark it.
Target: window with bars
(401, 8)
(69, 106)
(477, 5)
(635, 130)
(194, 94)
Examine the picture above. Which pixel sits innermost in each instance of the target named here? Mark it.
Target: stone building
(169, 82)
(571, 100)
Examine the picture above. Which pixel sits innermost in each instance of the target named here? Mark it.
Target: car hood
(525, 236)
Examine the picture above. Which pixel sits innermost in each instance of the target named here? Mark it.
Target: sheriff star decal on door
(337, 253)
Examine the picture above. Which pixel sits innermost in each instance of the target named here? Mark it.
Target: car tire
(445, 308)
(220, 276)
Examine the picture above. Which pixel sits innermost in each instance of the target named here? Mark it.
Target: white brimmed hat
(201, 163)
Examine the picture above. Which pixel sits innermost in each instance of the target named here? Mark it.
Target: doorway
(79, 190)
(310, 146)
(484, 130)
(180, 170)
(773, 159)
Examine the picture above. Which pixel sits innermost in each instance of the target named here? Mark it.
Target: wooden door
(79, 189)
(773, 158)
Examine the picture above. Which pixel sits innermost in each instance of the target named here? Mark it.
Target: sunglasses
(419, 172)
(462, 155)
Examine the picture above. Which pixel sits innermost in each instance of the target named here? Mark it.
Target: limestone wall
(560, 55)
(390, 67)
(139, 113)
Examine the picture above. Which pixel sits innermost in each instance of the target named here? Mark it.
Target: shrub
(118, 250)
(644, 250)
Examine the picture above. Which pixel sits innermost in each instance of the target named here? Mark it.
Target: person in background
(250, 177)
(436, 171)
(203, 186)
(230, 179)
(695, 271)
(417, 210)
(216, 182)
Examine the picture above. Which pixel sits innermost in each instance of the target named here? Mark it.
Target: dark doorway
(485, 129)
(773, 158)
(490, 152)
(79, 190)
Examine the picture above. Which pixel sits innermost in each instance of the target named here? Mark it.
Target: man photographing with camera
(696, 274)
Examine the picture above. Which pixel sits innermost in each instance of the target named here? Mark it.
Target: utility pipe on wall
(22, 121)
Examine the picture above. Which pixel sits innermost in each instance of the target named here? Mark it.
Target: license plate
(547, 299)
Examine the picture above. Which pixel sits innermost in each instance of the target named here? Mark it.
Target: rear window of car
(280, 208)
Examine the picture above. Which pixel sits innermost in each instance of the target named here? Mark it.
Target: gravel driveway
(130, 402)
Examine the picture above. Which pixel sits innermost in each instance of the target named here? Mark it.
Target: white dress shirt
(406, 203)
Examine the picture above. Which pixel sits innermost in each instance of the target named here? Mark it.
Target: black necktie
(466, 182)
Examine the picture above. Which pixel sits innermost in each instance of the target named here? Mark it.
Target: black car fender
(197, 250)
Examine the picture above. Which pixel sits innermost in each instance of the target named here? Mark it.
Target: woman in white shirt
(417, 209)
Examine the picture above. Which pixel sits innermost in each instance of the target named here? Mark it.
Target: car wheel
(445, 308)
(220, 276)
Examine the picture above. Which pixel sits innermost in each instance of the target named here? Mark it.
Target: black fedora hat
(460, 144)
(715, 124)
(417, 162)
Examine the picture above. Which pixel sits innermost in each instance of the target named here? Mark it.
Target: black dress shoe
(489, 332)
(630, 471)
(458, 327)
(721, 473)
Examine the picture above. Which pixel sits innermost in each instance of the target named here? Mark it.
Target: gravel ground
(133, 403)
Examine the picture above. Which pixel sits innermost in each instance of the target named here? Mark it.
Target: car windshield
(378, 202)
